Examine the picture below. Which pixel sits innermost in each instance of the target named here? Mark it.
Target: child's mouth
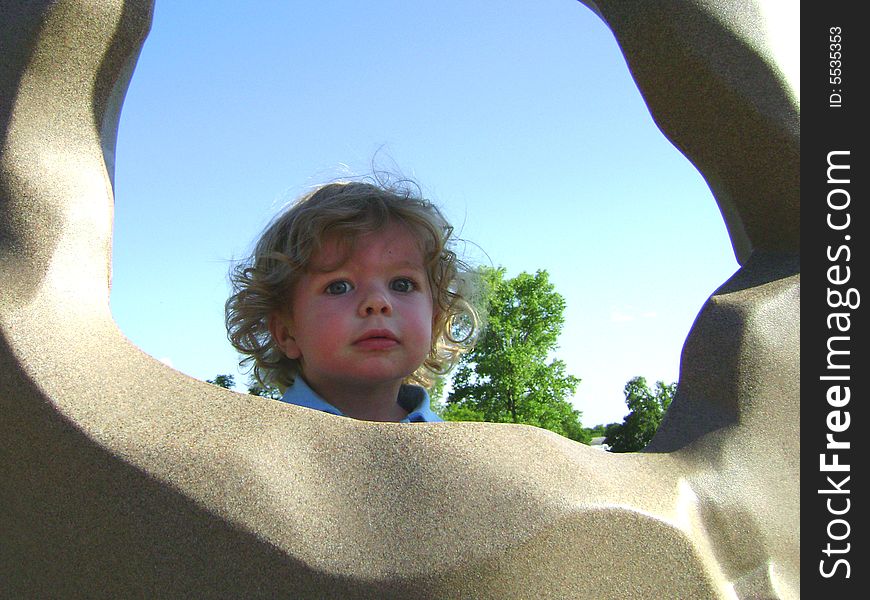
(377, 340)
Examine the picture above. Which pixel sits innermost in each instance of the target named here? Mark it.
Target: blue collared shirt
(412, 398)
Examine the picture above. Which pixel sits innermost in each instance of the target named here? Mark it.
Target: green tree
(597, 431)
(224, 381)
(647, 408)
(255, 388)
(436, 394)
(461, 412)
(507, 377)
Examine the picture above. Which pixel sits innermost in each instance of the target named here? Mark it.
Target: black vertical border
(833, 122)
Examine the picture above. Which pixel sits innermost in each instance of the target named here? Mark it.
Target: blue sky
(519, 119)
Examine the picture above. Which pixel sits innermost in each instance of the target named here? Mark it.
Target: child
(351, 303)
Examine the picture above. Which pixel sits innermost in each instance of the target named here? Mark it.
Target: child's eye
(337, 288)
(403, 284)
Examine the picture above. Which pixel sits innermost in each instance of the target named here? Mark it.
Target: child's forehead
(394, 243)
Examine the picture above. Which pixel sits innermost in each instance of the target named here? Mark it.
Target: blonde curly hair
(262, 283)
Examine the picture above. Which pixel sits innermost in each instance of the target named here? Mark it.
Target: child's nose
(376, 302)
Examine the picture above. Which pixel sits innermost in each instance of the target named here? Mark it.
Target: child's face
(364, 322)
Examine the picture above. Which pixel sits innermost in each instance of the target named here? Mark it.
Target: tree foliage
(597, 431)
(647, 408)
(255, 388)
(224, 381)
(436, 394)
(509, 376)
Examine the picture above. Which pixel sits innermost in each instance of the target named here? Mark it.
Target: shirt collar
(412, 398)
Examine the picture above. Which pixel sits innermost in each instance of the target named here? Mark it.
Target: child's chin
(383, 376)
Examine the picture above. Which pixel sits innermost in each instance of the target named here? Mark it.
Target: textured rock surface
(122, 478)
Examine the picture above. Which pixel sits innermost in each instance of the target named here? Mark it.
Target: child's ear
(436, 317)
(279, 327)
